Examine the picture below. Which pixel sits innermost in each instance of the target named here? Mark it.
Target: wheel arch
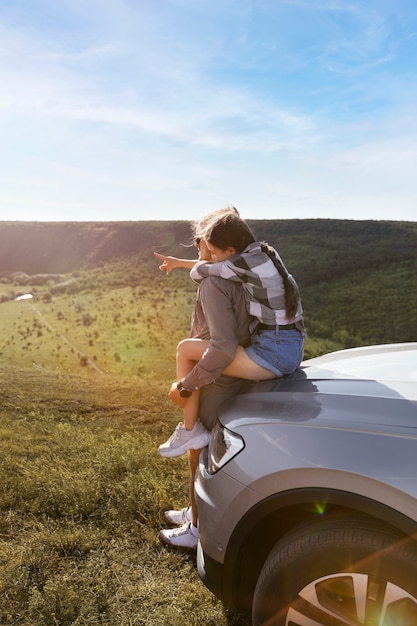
(267, 522)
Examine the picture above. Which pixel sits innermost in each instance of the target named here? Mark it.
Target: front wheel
(343, 573)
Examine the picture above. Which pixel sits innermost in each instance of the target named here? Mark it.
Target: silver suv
(307, 494)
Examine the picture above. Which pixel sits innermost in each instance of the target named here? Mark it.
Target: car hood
(371, 388)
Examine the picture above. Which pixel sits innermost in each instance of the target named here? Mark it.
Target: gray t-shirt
(220, 316)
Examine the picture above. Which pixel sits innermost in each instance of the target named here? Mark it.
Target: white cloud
(200, 103)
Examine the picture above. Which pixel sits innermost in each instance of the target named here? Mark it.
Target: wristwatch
(184, 393)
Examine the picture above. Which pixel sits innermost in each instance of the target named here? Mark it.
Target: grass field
(83, 386)
(82, 497)
(122, 330)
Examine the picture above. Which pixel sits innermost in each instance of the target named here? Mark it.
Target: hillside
(318, 249)
(357, 280)
(60, 247)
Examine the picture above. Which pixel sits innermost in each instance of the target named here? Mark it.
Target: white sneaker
(179, 517)
(183, 537)
(182, 440)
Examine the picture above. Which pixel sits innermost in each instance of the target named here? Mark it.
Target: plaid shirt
(264, 286)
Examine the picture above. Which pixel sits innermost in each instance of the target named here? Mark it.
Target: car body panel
(342, 429)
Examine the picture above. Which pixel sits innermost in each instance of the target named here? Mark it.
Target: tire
(342, 573)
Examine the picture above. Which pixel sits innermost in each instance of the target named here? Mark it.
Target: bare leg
(193, 457)
(243, 367)
(190, 351)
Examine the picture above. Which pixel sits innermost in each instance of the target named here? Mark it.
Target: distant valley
(101, 283)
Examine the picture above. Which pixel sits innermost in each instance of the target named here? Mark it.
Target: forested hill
(357, 278)
(314, 249)
(59, 247)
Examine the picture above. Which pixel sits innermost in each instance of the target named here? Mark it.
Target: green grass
(83, 385)
(122, 330)
(82, 497)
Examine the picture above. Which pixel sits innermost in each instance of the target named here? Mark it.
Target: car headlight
(224, 445)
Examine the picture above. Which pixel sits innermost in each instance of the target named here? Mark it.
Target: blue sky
(167, 109)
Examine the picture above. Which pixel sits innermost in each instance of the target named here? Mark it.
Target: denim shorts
(280, 351)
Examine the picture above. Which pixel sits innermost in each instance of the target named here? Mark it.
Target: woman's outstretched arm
(170, 263)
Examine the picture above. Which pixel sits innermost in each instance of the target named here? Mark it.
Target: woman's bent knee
(191, 349)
